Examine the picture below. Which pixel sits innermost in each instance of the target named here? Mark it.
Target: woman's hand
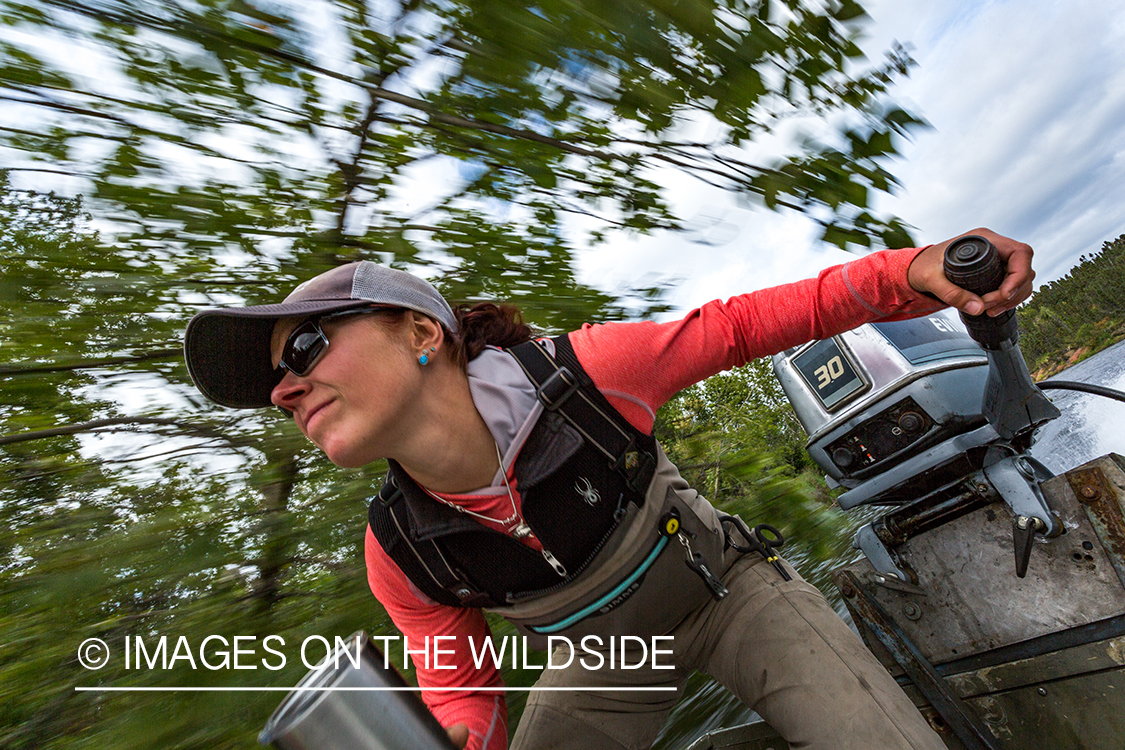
(458, 734)
(926, 275)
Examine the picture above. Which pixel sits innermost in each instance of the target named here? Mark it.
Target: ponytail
(486, 324)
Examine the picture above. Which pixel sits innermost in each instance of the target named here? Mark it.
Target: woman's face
(354, 403)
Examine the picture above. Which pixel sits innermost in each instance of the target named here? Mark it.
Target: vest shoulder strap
(566, 390)
(564, 387)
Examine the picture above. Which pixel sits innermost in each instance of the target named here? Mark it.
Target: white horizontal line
(360, 689)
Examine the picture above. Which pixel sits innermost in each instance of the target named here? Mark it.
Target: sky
(1027, 106)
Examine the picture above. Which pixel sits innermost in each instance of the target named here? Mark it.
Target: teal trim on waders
(608, 597)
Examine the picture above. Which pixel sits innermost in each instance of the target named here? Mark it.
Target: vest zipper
(512, 598)
(554, 562)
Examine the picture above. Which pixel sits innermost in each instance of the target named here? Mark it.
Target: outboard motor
(894, 414)
(888, 404)
(933, 419)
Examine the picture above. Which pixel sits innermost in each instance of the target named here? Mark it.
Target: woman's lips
(312, 413)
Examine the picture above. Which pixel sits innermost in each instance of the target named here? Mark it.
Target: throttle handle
(973, 263)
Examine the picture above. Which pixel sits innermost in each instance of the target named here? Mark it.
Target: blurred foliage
(1076, 316)
(186, 523)
(229, 149)
(309, 127)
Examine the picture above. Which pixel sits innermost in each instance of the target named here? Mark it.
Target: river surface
(1090, 426)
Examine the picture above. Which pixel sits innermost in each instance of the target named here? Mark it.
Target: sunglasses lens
(307, 342)
(303, 349)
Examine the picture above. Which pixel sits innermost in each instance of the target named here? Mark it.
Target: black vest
(581, 465)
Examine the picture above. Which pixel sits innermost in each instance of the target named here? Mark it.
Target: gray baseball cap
(228, 349)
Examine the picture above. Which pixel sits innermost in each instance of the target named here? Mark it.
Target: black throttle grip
(973, 263)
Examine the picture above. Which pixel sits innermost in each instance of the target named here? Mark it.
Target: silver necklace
(513, 524)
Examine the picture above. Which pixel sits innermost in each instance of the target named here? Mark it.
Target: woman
(501, 497)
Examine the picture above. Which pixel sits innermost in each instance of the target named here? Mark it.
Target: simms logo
(620, 598)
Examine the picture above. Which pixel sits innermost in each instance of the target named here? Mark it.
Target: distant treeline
(1078, 315)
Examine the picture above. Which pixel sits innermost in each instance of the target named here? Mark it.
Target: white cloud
(1027, 100)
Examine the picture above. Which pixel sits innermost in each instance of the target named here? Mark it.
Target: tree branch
(90, 364)
(98, 425)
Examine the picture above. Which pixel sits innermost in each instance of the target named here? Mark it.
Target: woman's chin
(345, 458)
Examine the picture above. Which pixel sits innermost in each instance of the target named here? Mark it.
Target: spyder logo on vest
(587, 492)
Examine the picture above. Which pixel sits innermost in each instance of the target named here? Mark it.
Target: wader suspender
(562, 386)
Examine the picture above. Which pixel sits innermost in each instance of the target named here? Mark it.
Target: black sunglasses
(308, 342)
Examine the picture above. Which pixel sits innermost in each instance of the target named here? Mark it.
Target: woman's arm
(641, 365)
(483, 711)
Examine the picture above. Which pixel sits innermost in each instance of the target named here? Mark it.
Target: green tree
(182, 524)
(1082, 312)
(303, 121)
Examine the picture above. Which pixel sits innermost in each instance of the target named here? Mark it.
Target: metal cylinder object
(353, 701)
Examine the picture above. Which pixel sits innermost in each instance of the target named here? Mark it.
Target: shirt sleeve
(639, 366)
(484, 710)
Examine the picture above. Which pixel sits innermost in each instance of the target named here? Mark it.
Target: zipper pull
(554, 563)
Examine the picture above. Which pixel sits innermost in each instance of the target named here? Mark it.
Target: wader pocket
(643, 587)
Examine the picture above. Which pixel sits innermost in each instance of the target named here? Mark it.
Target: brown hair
(485, 324)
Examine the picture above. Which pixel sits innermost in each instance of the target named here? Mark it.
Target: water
(1090, 426)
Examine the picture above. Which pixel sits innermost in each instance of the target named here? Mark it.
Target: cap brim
(228, 349)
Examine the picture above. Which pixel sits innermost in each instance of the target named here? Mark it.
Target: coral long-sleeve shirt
(638, 366)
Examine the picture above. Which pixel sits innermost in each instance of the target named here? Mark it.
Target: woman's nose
(289, 391)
